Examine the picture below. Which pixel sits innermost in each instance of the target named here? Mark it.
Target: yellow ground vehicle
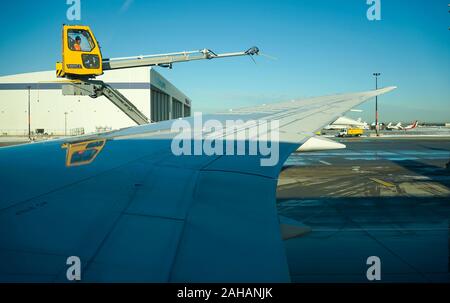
(351, 132)
(81, 55)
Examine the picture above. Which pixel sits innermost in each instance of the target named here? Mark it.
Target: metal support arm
(166, 60)
(97, 88)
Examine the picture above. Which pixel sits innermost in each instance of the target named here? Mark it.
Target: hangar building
(53, 114)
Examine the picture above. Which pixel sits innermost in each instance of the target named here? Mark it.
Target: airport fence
(41, 132)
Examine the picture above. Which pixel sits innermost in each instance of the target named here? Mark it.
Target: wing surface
(132, 211)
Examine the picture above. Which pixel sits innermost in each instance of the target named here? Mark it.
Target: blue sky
(322, 46)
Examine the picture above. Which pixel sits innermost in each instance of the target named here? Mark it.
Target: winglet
(320, 144)
(385, 89)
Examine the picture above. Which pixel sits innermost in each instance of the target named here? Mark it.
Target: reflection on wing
(82, 153)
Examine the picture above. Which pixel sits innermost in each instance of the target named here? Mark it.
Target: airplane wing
(132, 211)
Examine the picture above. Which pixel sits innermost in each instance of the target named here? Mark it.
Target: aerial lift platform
(82, 62)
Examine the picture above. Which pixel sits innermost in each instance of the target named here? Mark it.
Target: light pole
(65, 123)
(376, 103)
(29, 114)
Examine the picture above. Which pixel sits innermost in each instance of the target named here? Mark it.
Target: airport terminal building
(36, 99)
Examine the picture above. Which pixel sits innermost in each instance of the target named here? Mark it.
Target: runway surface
(388, 198)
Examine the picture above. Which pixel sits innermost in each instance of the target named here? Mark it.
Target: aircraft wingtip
(386, 89)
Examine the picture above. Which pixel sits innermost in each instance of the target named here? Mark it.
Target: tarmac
(384, 197)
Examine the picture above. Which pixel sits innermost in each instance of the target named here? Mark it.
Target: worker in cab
(77, 45)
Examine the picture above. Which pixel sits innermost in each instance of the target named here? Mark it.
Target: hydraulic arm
(166, 60)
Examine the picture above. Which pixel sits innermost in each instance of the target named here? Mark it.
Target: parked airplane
(398, 126)
(411, 126)
(345, 122)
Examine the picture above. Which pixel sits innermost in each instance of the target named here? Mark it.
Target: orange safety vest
(77, 47)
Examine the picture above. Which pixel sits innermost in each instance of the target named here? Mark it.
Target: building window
(187, 111)
(160, 106)
(177, 109)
